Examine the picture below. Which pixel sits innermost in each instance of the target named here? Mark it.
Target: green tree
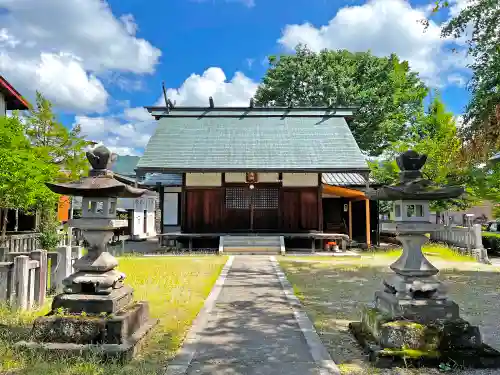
(25, 169)
(388, 94)
(484, 182)
(434, 134)
(478, 24)
(65, 148)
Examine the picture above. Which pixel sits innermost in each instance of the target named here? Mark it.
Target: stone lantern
(412, 316)
(96, 308)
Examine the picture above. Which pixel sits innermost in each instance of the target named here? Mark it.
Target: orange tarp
(63, 208)
(343, 192)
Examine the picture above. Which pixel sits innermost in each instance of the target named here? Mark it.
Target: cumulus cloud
(384, 27)
(122, 135)
(71, 39)
(196, 89)
(60, 77)
(128, 133)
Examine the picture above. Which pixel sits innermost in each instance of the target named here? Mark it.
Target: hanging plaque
(251, 177)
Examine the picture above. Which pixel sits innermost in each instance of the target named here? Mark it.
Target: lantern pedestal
(96, 312)
(412, 319)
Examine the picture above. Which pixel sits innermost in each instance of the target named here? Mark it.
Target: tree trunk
(16, 224)
(438, 216)
(3, 225)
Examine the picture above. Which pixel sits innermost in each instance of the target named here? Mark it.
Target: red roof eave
(14, 99)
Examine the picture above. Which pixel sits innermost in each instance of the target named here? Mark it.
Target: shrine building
(295, 172)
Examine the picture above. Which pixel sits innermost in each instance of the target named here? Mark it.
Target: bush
(491, 241)
(49, 234)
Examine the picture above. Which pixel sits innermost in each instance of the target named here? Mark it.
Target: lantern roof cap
(100, 183)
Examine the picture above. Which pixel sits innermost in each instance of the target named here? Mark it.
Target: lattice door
(266, 198)
(237, 198)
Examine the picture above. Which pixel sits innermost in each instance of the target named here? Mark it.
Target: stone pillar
(3, 253)
(76, 253)
(40, 287)
(64, 268)
(21, 271)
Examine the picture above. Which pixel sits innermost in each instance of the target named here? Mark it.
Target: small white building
(142, 223)
(140, 212)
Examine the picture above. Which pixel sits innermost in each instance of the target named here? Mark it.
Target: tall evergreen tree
(388, 93)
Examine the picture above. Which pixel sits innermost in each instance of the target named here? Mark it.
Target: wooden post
(40, 288)
(21, 271)
(161, 193)
(350, 220)
(368, 230)
(320, 203)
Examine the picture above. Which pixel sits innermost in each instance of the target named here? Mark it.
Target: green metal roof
(251, 139)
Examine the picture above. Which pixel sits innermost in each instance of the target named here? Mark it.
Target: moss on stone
(401, 333)
(372, 319)
(410, 353)
(405, 324)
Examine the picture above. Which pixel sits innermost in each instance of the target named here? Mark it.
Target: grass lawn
(333, 292)
(176, 288)
(431, 251)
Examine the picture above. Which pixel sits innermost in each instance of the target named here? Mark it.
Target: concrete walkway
(254, 327)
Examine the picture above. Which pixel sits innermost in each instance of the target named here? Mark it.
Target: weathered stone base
(392, 341)
(116, 336)
(95, 304)
(483, 356)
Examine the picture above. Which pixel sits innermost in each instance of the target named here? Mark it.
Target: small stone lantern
(96, 308)
(412, 316)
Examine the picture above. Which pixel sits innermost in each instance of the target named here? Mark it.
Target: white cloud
(129, 23)
(76, 40)
(121, 134)
(247, 3)
(128, 133)
(458, 5)
(196, 89)
(60, 77)
(459, 121)
(457, 80)
(250, 62)
(382, 26)
(136, 114)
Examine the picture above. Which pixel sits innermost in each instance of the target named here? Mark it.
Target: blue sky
(101, 62)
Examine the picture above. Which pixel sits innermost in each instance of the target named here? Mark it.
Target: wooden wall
(205, 212)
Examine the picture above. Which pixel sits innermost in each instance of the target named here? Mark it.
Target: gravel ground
(333, 291)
